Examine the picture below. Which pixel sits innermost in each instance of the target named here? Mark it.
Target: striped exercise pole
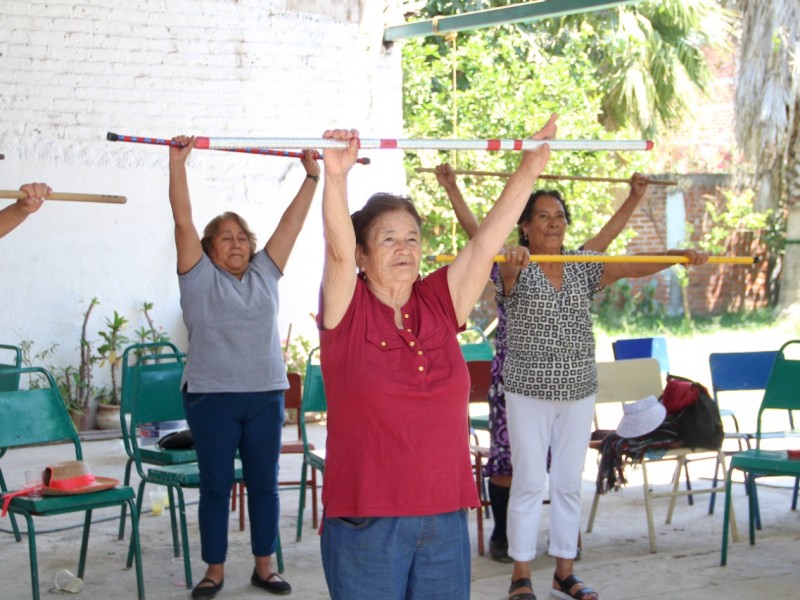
(229, 143)
(102, 198)
(600, 258)
(553, 177)
(116, 137)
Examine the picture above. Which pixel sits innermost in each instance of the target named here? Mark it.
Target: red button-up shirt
(398, 439)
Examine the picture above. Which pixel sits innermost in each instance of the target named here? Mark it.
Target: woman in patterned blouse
(550, 383)
(498, 466)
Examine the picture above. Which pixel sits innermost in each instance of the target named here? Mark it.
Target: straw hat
(73, 477)
(641, 417)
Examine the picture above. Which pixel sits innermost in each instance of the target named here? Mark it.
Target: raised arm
(614, 271)
(339, 270)
(447, 179)
(467, 274)
(13, 215)
(280, 244)
(619, 219)
(187, 240)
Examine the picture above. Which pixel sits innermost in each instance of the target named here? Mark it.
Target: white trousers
(533, 427)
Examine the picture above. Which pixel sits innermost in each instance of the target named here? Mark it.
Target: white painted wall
(70, 72)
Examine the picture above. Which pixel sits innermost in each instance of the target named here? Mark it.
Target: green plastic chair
(9, 371)
(780, 394)
(480, 350)
(36, 417)
(9, 382)
(155, 364)
(313, 401)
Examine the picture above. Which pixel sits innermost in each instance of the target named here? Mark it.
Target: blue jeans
(397, 558)
(221, 424)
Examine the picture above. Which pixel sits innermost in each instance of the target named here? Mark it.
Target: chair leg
(139, 498)
(676, 482)
(241, 505)
(279, 554)
(314, 509)
(479, 511)
(726, 521)
(690, 498)
(122, 511)
(753, 507)
(173, 522)
(794, 494)
(593, 512)
(732, 512)
(32, 555)
(715, 479)
(648, 508)
(87, 525)
(135, 547)
(302, 501)
(187, 561)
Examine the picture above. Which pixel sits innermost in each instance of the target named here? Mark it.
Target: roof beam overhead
(528, 11)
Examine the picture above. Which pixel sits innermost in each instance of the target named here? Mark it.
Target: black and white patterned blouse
(550, 342)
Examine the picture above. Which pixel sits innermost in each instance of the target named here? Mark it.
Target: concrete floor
(616, 559)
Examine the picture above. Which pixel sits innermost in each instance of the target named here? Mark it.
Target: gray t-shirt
(550, 342)
(234, 345)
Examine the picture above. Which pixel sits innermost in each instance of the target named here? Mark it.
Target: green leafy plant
(110, 353)
(149, 333)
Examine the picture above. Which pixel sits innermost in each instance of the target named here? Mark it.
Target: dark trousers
(221, 424)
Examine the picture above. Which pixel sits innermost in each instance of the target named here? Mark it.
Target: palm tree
(768, 120)
(648, 55)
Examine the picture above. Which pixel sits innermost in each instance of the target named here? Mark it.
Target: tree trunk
(789, 298)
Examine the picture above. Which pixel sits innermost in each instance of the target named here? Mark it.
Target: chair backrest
(782, 386)
(651, 347)
(9, 374)
(35, 416)
(480, 380)
(740, 371)
(293, 397)
(313, 397)
(131, 356)
(156, 390)
(480, 350)
(628, 380)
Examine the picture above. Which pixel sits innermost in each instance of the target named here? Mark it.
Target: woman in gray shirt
(235, 376)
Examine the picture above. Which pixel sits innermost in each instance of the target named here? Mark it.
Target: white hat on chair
(641, 417)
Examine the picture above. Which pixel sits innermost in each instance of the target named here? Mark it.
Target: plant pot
(82, 419)
(108, 416)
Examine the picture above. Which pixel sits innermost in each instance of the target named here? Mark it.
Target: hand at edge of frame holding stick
(68, 197)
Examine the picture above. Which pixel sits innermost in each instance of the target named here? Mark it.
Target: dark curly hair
(528, 211)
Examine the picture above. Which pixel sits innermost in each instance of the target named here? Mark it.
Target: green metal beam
(529, 11)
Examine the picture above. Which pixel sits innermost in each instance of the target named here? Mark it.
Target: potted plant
(109, 352)
(75, 383)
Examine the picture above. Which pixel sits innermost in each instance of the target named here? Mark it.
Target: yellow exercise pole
(103, 198)
(601, 258)
(554, 177)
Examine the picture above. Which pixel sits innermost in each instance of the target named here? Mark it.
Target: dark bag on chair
(177, 440)
(692, 413)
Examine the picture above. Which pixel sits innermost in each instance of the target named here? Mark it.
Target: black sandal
(207, 591)
(566, 584)
(520, 583)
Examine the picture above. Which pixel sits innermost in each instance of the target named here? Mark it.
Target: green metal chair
(36, 417)
(780, 394)
(313, 401)
(153, 363)
(158, 398)
(9, 371)
(9, 382)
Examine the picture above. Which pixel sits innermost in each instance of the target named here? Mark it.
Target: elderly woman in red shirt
(397, 470)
